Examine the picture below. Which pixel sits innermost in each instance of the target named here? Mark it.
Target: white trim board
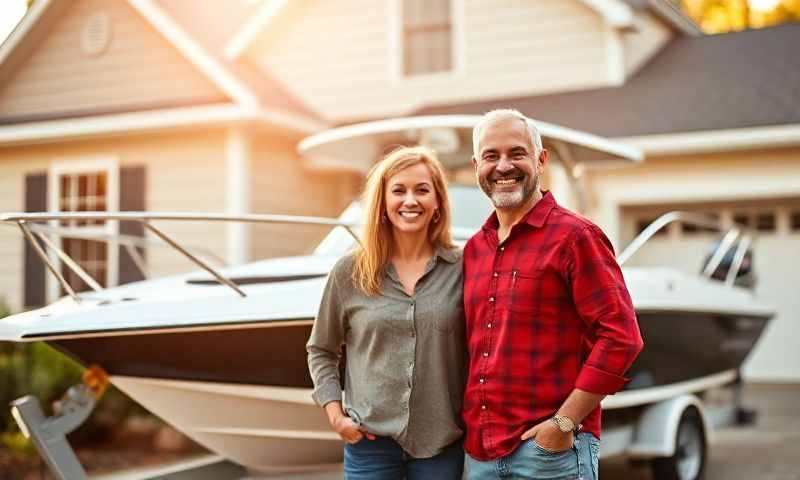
(615, 12)
(154, 120)
(715, 140)
(265, 14)
(194, 52)
(22, 28)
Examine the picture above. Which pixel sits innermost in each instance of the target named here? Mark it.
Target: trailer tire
(689, 460)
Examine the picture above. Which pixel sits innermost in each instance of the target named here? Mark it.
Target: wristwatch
(565, 424)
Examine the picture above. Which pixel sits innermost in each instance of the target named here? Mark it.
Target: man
(550, 324)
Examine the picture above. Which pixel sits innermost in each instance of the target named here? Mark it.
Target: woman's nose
(410, 199)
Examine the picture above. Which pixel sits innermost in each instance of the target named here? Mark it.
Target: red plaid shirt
(547, 312)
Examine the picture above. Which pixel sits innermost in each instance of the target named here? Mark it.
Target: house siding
(281, 185)
(510, 47)
(184, 173)
(139, 69)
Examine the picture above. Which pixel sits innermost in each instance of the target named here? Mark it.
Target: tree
(718, 16)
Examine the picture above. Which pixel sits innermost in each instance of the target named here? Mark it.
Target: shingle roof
(733, 80)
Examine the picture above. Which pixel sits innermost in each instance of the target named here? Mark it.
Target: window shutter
(131, 198)
(35, 201)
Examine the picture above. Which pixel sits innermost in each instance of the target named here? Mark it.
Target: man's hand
(548, 436)
(344, 425)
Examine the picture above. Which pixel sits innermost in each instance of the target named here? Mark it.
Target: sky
(10, 13)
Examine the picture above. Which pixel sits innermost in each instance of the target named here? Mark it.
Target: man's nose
(504, 165)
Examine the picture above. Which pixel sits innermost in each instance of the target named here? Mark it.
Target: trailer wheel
(689, 460)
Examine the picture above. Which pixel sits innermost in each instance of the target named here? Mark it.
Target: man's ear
(474, 163)
(544, 157)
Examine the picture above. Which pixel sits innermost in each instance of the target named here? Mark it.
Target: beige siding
(338, 55)
(280, 185)
(184, 172)
(138, 69)
(643, 41)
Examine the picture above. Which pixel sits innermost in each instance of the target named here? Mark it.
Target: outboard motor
(745, 277)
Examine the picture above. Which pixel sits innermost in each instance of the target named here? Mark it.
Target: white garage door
(777, 265)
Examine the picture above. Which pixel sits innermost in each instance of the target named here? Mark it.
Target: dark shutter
(131, 198)
(35, 201)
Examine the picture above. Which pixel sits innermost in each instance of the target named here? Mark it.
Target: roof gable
(58, 75)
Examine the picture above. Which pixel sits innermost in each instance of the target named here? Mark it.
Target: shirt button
(494, 274)
(502, 248)
(483, 407)
(488, 325)
(491, 299)
(485, 354)
(482, 380)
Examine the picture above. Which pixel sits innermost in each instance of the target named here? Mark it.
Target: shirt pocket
(525, 290)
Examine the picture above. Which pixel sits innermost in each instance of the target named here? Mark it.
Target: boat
(219, 353)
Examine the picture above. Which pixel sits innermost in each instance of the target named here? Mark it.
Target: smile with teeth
(506, 181)
(406, 214)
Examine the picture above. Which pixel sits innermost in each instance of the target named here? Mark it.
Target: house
(230, 94)
(115, 105)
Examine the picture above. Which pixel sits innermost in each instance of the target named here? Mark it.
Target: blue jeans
(530, 461)
(384, 459)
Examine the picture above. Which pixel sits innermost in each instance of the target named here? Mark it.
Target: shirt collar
(536, 216)
(449, 255)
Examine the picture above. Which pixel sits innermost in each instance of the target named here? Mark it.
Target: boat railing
(27, 223)
(728, 242)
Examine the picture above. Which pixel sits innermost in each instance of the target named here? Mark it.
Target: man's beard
(514, 198)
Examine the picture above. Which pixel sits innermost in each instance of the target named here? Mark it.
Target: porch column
(237, 193)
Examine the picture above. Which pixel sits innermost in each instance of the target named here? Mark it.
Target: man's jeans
(384, 459)
(530, 461)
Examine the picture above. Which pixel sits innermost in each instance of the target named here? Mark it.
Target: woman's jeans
(384, 459)
(530, 460)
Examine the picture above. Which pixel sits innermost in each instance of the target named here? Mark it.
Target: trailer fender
(657, 427)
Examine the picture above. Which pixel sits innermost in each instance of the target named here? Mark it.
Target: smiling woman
(11, 12)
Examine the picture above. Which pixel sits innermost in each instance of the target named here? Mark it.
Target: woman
(396, 305)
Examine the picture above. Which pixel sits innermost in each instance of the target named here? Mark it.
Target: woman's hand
(548, 436)
(344, 425)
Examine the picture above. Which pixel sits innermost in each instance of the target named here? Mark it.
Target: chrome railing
(729, 240)
(26, 223)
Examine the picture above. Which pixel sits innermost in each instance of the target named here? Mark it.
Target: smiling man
(550, 324)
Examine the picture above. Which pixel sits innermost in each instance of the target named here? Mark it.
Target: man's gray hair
(488, 117)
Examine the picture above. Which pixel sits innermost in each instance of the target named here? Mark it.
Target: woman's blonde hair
(373, 254)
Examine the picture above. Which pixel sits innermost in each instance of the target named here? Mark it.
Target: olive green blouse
(406, 358)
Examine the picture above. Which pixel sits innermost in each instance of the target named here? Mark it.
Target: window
(427, 36)
(641, 224)
(765, 222)
(690, 228)
(86, 187)
(794, 221)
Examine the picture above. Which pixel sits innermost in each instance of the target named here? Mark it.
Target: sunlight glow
(763, 5)
(11, 11)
